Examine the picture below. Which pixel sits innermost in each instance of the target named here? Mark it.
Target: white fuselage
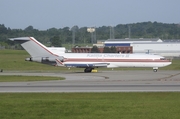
(116, 60)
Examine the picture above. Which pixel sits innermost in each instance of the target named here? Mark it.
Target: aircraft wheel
(155, 70)
(87, 70)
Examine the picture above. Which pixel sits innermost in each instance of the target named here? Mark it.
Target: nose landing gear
(155, 69)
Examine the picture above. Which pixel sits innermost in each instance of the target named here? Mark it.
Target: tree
(3, 29)
(95, 49)
(106, 50)
(113, 49)
(29, 28)
(109, 49)
(65, 36)
(55, 41)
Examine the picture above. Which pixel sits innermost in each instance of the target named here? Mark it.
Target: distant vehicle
(89, 61)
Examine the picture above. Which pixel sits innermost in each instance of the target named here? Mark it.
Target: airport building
(119, 49)
(167, 48)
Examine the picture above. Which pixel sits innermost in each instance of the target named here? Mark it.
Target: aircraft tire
(87, 70)
(155, 70)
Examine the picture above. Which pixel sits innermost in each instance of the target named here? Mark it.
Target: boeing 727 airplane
(89, 61)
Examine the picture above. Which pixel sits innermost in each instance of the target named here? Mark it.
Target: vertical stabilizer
(33, 47)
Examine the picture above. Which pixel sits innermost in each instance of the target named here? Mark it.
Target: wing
(85, 65)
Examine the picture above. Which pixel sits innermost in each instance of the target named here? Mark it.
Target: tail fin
(33, 47)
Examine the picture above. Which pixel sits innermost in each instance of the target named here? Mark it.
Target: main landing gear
(89, 69)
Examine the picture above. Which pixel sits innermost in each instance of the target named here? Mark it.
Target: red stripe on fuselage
(43, 47)
(113, 60)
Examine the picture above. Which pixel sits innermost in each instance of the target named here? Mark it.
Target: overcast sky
(45, 14)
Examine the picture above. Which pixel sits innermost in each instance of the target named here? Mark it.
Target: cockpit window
(162, 58)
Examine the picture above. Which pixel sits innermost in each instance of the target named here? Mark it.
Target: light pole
(91, 30)
(73, 29)
(111, 32)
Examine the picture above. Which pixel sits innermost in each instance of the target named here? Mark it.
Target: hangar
(166, 48)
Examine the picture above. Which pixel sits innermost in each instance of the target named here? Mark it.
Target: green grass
(90, 105)
(27, 78)
(14, 60)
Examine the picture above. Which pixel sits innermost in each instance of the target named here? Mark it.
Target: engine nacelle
(44, 59)
(48, 59)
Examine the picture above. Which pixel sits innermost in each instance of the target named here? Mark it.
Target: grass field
(90, 105)
(15, 60)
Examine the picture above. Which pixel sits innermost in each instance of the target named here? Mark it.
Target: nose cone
(168, 63)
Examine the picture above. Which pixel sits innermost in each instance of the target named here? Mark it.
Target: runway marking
(166, 78)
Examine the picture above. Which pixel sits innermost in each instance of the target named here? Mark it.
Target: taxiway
(104, 81)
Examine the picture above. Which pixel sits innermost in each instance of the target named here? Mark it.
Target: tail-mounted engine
(45, 60)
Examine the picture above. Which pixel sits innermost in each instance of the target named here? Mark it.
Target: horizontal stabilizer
(20, 39)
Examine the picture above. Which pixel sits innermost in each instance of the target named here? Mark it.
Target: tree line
(66, 35)
(111, 49)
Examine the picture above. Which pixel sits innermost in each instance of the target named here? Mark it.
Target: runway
(104, 81)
